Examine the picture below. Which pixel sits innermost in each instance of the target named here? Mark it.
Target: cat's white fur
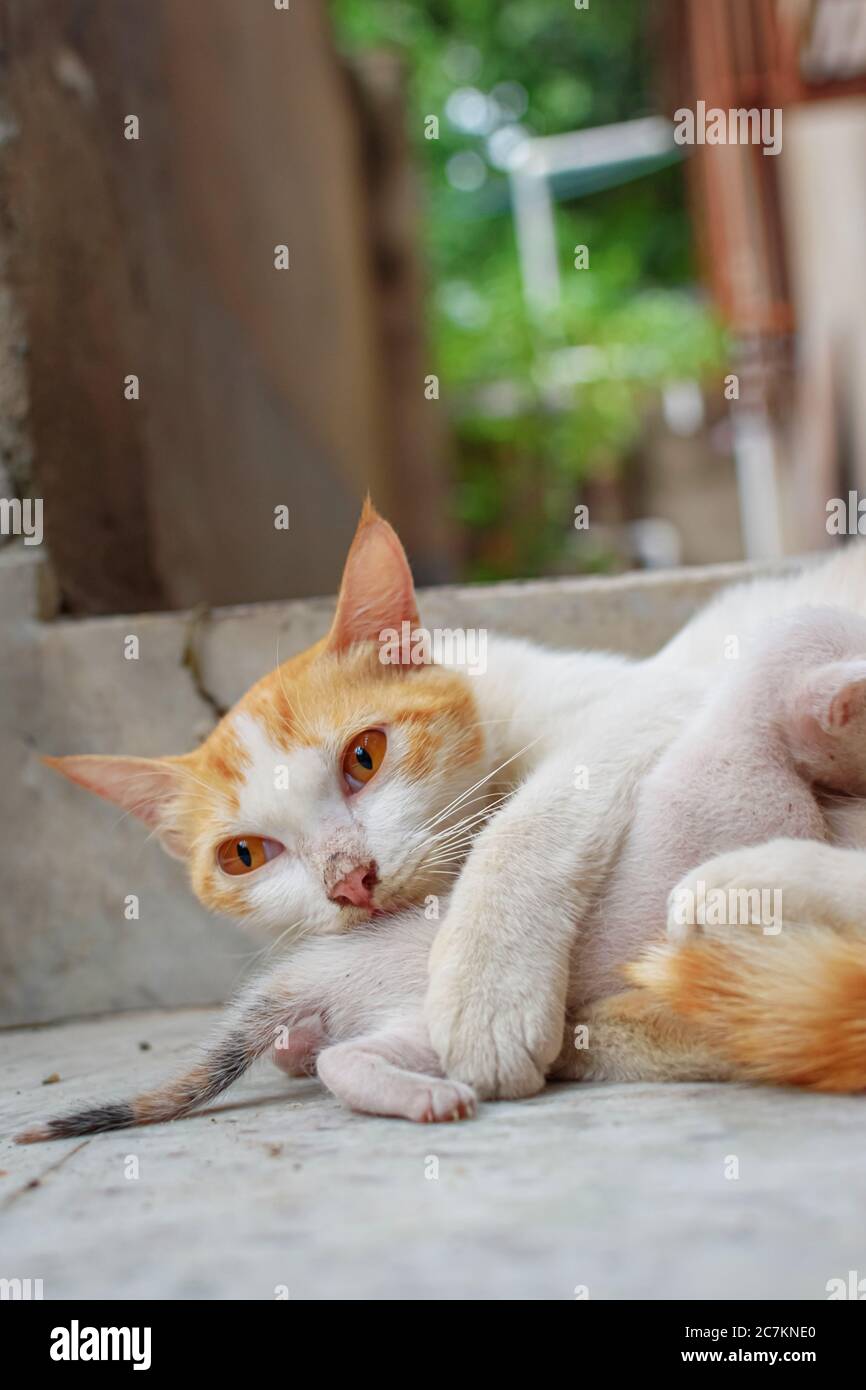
(495, 1004)
(294, 796)
(574, 737)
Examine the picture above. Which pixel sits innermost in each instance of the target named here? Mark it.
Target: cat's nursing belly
(744, 772)
(673, 831)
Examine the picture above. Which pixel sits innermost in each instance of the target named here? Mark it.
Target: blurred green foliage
(523, 450)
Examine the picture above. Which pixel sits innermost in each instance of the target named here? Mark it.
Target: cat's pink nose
(356, 889)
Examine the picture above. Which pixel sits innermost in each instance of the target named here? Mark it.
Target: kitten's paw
(763, 888)
(439, 1102)
(495, 1033)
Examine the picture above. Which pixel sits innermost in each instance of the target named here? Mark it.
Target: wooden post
(154, 258)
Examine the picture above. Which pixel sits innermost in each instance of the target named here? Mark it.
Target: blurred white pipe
(755, 459)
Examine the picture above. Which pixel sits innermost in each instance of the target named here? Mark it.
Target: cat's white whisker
(484, 814)
(458, 800)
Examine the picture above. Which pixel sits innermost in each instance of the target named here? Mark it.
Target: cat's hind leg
(633, 1037)
(775, 991)
(375, 1074)
(769, 889)
(296, 1048)
(786, 1006)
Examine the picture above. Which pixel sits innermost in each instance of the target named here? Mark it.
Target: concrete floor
(621, 1189)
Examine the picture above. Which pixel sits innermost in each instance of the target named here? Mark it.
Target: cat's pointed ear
(148, 788)
(377, 592)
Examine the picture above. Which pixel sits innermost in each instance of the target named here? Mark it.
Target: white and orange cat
(567, 794)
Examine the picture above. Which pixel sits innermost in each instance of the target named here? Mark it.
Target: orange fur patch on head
(319, 695)
(430, 726)
(280, 702)
(227, 899)
(788, 1009)
(221, 761)
(433, 707)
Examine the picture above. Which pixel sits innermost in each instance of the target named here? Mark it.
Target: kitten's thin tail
(248, 1033)
(788, 1010)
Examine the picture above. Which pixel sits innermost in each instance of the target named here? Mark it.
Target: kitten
(788, 719)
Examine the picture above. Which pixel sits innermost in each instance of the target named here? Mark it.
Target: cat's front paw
(439, 1102)
(497, 1033)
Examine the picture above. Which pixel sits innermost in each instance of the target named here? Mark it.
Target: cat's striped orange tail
(788, 1010)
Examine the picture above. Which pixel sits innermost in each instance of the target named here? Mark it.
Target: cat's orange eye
(244, 853)
(363, 758)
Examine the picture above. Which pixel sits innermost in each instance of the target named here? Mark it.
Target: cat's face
(325, 796)
(309, 803)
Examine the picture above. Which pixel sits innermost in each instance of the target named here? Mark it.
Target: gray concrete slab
(626, 1190)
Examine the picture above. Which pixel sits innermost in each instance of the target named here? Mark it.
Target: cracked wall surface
(67, 947)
